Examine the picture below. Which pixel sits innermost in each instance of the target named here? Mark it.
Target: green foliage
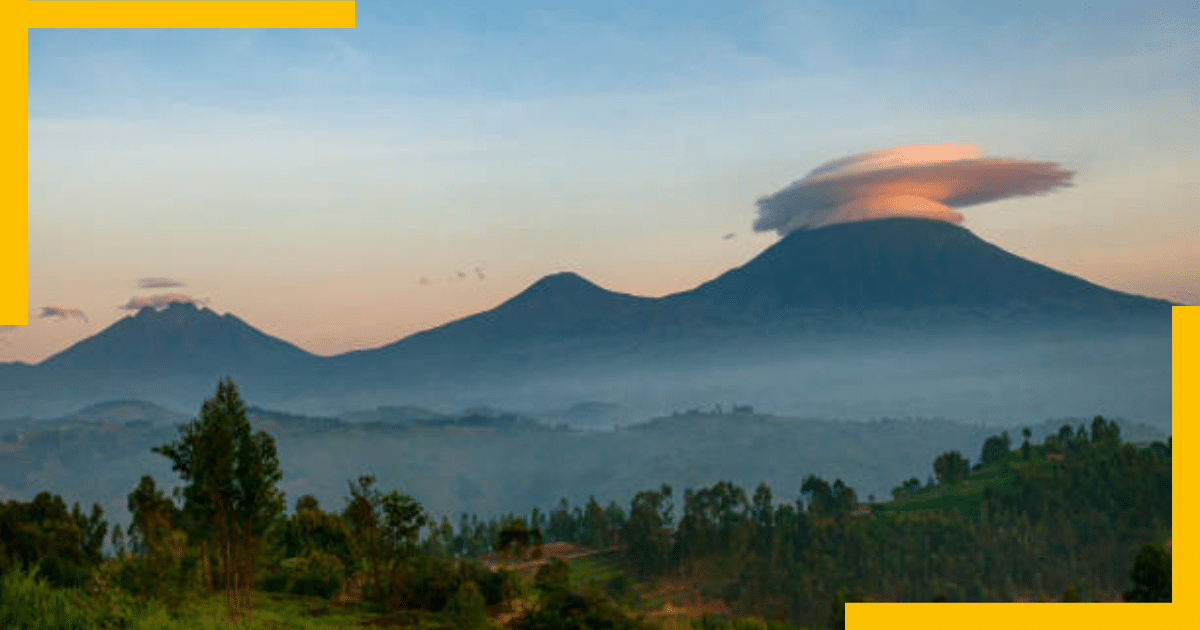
(307, 502)
(553, 576)
(497, 587)
(154, 515)
(167, 571)
(318, 573)
(307, 532)
(385, 529)
(467, 610)
(566, 610)
(64, 545)
(622, 590)
(1011, 527)
(647, 534)
(1151, 575)
(951, 467)
(230, 496)
(995, 449)
(716, 622)
(28, 602)
(516, 538)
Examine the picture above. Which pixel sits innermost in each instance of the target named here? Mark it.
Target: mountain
(171, 357)
(839, 276)
(546, 325)
(180, 338)
(559, 306)
(812, 295)
(900, 263)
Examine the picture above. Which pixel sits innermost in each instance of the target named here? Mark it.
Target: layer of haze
(337, 188)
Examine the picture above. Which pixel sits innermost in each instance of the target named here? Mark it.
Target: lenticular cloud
(160, 301)
(918, 181)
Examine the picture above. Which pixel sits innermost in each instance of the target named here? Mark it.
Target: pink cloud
(161, 300)
(61, 313)
(918, 181)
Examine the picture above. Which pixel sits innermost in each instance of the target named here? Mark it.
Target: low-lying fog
(992, 381)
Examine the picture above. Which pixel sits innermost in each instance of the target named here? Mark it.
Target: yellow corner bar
(18, 16)
(189, 14)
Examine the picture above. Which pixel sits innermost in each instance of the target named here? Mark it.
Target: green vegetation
(1069, 520)
(1070, 516)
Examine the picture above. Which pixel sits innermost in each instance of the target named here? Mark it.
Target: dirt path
(562, 551)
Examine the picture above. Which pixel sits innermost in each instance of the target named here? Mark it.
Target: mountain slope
(545, 323)
(804, 298)
(178, 339)
(899, 264)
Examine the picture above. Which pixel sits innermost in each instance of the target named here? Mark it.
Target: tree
(363, 518)
(467, 608)
(92, 531)
(153, 514)
(764, 511)
(231, 495)
(647, 532)
(595, 524)
(1105, 434)
(307, 502)
(951, 467)
(1151, 575)
(516, 538)
(62, 544)
(387, 526)
(820, 496)
(561, 527)
(995, 448)
(161, 567)
(554, 576)
(845, 500)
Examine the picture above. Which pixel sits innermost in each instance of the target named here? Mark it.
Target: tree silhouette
(231, 495)
(951, 467)
(1151, 575)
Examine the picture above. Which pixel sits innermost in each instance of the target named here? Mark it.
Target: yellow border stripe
(190, 14)
(18, 16)
(14, 51)
(14, 213)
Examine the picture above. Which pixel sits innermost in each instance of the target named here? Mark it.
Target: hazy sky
(343, 188)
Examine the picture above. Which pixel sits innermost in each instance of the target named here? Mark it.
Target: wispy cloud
(61, 313)
(159, 283)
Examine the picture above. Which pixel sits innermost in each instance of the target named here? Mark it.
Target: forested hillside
(1081, 516)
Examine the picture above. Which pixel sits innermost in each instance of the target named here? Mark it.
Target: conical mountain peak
(901, 263)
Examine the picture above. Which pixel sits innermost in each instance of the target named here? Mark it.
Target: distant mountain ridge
(899, 275)
(180, 334)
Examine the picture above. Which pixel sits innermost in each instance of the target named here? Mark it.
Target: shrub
(319, 574)
(28, 602)
(467, 608)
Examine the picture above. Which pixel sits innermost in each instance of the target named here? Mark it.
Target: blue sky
(306, 180)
